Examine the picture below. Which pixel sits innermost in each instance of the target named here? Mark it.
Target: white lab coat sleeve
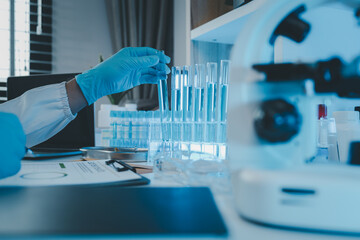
(42, 111)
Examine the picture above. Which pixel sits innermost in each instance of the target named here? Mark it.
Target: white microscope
(272, 127)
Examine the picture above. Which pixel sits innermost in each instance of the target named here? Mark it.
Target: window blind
(40, 36)
(25, 39)
(3, 92)
(4, 41)
(14, 41)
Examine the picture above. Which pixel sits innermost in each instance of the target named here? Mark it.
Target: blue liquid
(199, 104)
(187, 103)
(210, 132)
(154, 136)
(222, 136)
(199, 115)
(211, 113)
(176, 100)
(166, 129)
(223, 102)
(190, 99)
(176, 126)
(176, 114)
(185, 100)
(115, 129)
(163, 95)
(188, 114)
(163, 107)
(199, 128)
(211, 102)
(187, 131)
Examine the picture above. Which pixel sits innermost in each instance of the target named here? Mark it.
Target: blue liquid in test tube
(163, 96)
(211, 98)
(223, 99)
(163, 105)
(187, 86)
(163, 93)
(199, 103)
(176, 103)
(222, 109)
(164, 108)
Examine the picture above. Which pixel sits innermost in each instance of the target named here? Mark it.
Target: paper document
(67, 173)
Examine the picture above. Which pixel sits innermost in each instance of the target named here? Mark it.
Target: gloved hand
(12, 144)
(124, 70)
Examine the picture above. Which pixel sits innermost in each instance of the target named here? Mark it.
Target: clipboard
(82, 173)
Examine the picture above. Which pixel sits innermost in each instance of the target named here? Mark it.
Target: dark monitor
(78, 133)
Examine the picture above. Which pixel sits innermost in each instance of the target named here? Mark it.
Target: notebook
(75, 173)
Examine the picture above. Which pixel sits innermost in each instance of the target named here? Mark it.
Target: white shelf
(225, 28)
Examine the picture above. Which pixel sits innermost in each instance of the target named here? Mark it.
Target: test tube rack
(195, 122)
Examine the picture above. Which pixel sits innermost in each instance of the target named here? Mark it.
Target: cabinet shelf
(225, 28)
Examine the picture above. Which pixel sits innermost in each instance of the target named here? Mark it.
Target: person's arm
(46, 110)
(76, 98)
(124, 70)
(42, 111)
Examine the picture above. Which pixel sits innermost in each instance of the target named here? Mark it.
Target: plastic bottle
(348, 130)
(333, 153)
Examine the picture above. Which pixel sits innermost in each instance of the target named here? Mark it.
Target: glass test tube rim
(211, 72)
(176, 77)
(199, 76)
(227, 64)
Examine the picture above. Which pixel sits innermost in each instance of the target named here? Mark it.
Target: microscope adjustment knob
(277, 121)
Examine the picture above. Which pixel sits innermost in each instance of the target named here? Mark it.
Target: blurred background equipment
(280, 176)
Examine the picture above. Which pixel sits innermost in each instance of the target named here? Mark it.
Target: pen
(126, 165)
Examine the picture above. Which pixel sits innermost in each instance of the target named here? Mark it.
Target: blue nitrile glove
(12, 144)
(124, 70)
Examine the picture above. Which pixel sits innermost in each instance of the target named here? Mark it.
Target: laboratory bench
(241, 229)
(238, 228)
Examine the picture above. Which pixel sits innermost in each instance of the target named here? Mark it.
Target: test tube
(199, 103)
(163, 105)
(126, 128)
(211, 98)
(163, 94)
(114, 124)
(163, 108)
(223, 89)
(222, 107)
(187, 103)
(176, 103)
(155, 140)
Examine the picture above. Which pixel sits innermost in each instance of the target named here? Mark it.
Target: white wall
(80, 34)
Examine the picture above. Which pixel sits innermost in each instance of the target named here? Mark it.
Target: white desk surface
(239, 229)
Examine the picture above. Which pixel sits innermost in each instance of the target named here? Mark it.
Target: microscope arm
(331, 76)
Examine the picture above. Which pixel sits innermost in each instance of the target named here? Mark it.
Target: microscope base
(313, 197)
